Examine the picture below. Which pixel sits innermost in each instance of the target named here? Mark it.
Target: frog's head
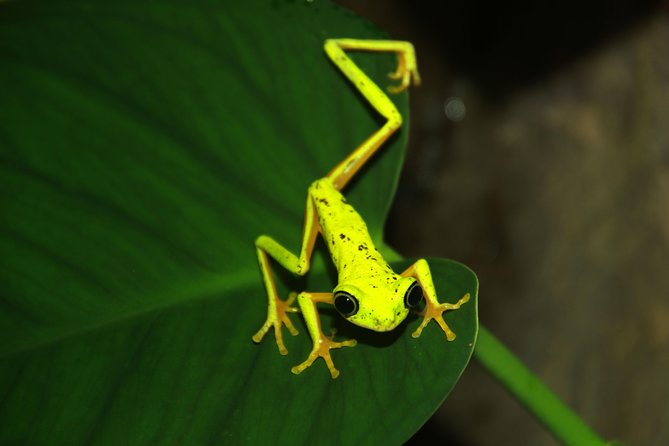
(379, 305)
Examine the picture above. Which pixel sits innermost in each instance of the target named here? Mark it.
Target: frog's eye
(413, 296)
(345, 304)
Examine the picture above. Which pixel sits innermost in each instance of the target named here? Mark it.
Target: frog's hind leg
(406, 70)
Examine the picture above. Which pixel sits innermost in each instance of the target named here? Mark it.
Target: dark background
(554, 188)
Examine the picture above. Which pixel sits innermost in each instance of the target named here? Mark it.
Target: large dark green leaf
(143, 147)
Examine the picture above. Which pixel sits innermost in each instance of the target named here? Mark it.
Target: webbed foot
(435, 312)
(277, 316)
(407, 70)
(322, 349)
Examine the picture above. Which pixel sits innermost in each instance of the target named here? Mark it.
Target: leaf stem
(532, 393)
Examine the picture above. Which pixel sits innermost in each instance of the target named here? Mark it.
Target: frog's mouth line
(382, 326)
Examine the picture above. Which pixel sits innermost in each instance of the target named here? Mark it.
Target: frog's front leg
(433, 309)
(277, 308)
(322, 344)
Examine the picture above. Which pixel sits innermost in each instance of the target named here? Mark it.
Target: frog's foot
(322, 348)
(406, 70)
(435, 312)
(277, 315)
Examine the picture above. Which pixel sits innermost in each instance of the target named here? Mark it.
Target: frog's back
(343, 229)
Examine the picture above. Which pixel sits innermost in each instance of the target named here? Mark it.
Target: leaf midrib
(195, 291)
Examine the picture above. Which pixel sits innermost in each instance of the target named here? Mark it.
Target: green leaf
(143, 147)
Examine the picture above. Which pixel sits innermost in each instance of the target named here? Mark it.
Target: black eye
(413, 296)
(346, 304)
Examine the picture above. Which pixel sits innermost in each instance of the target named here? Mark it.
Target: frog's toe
(322, 349)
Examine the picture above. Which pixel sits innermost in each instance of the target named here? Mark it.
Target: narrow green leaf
(531, 392)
